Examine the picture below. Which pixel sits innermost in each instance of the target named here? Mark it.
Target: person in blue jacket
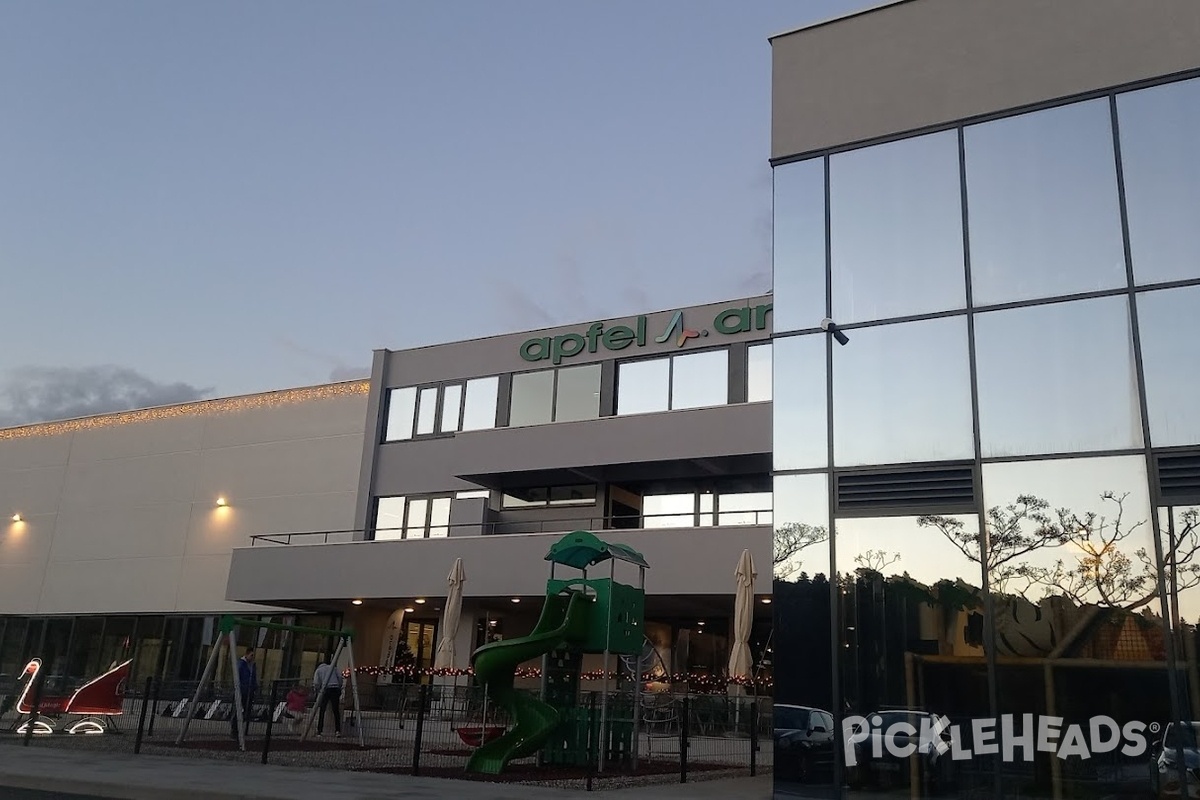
(247, 678)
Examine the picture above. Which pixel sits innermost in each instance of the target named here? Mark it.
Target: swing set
(227, 636)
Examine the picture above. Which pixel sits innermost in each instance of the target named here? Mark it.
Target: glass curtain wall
(987, 499)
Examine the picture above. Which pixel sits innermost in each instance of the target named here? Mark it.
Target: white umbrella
(450, 615)
(740, 660)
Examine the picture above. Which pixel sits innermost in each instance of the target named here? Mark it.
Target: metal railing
(724, 519)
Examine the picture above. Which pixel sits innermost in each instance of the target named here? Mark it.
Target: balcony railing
(725, 519)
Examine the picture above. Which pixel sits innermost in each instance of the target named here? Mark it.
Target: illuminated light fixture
(202, 408)
(766, 601)
(409, 610)
(356, 602)
(516, 600)
(16, 517)
(420, 601)
(701, 623)
(222, 502)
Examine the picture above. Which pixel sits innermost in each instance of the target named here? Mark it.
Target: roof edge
(839, 18)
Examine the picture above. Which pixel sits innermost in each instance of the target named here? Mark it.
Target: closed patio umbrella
(740, 660)
(450, 616)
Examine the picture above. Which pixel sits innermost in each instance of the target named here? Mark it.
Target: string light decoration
(696, 682)
(200, 408)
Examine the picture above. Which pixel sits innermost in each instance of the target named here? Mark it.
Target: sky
(208, 199)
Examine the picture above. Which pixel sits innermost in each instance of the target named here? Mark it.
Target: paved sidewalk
(145, 777)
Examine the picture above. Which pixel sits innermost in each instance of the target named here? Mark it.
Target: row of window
(565, 394)
(1043, 211)
(428, 516)
(1053, 378)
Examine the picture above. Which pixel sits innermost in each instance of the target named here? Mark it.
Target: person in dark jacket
(247, 678)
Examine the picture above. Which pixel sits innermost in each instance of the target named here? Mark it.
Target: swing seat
(478, 735)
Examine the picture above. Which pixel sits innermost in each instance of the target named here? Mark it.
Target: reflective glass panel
(1160, 156)
(669, 511)
(451, 406)
(707, 504)
(745, 508)
(1042, 204)
(801, 431)
(524, 498)
(426, 410)
(572, 495)
(799, 245)
(1169, 321)
(801, 652)
(402, 409)
(758, 373)
(896, 240)
(578, 395)
(903, 393)
(911, 628)
(389, 518)
(439, 517)
(532, 398)
(479, 413)
(1179, 532)
(700, 379)
(1079, 634)
(414, 524)
(643, 386)
(1057, 378)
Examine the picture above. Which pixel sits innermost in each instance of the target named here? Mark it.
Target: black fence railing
(606, 738)
(536, 526)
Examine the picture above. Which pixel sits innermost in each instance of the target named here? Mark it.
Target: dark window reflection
(1160, 155)
(1042, 204)
(804, 731)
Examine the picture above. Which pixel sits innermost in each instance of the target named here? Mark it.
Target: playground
(572, 731)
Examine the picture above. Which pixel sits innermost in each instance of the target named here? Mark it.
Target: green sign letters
(618, 337)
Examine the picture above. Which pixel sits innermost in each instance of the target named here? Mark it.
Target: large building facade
(128, 534)
(987, 482)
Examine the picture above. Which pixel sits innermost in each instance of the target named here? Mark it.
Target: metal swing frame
(227, 636)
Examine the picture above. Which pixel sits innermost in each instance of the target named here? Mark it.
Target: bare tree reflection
(790, 540)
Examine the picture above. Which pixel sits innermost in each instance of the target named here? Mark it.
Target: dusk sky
(217, 198)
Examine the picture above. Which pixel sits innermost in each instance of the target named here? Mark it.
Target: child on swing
(297, 704)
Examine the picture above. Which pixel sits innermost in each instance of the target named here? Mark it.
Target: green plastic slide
(565, 618)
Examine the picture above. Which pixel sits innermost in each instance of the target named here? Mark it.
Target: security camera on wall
(829, 326)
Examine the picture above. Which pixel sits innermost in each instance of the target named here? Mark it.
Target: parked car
(803, 743)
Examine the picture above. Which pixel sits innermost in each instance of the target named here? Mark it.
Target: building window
(555, 395)
(695, 380)
(427, 410)
(705, 509)
(758, 373)
(1042, 204)
(798, 237)
(425, 517)
(547, 496)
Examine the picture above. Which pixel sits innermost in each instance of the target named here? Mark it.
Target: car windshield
(791, 718)
(1184, 735)
(891, 718)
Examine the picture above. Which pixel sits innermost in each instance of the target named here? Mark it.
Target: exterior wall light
(16, 517)
(222, 502)
(420, 601)
(356, 602)
(516, 600)
(766, 601)
(409, 610)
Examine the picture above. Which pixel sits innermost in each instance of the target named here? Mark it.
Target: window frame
(439, 429)
(404, 526)
(670, 359)
(554, 382)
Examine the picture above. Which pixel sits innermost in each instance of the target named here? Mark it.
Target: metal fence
(429, 729)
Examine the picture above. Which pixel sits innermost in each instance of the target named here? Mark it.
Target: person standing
(247, 678)
(327, 683)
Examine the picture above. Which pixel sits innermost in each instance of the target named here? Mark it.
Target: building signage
(618, 337)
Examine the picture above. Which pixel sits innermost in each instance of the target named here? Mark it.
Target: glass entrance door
(422, 643)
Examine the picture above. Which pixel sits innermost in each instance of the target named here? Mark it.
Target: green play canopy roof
(582, 549)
